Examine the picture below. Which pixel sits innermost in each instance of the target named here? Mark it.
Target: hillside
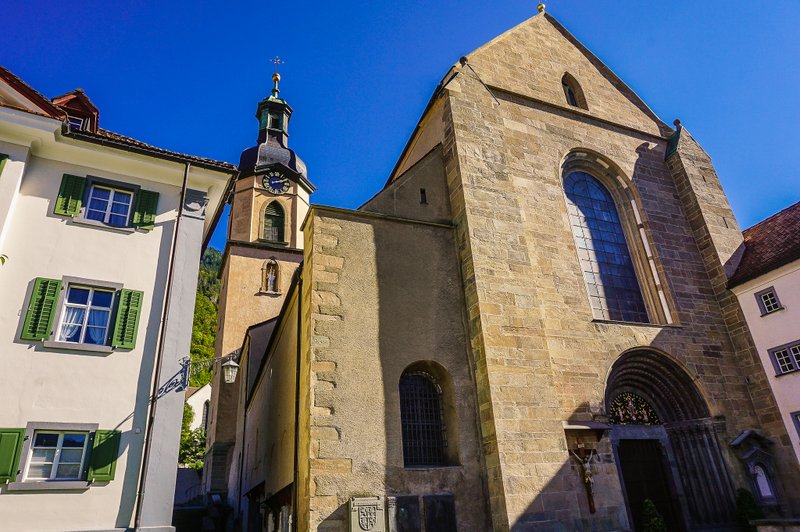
(204, 329)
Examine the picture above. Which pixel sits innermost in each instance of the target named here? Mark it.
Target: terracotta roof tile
(769, 244)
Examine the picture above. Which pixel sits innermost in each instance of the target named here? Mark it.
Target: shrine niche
(629, 408)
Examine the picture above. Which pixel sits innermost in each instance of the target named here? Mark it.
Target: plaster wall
(269, 418)
(382, 293)
(10, 178)
(241, 304)
(73, 386)
(776, 329)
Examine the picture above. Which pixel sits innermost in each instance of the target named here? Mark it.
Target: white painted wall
(196, 401)
(776, 329)
(111, 390)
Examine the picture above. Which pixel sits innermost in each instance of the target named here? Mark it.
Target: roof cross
(277, 61)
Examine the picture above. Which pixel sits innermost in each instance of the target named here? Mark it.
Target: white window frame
(763, 305)
(107, 213)
(57, 455)
(87, 308)
(789, 360)
(76, 122)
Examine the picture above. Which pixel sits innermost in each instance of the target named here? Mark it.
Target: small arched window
(573, 92)
(270, 273)
(206, 405)
(274, 220)
(608, 270)
(424, 435)
(762, 483)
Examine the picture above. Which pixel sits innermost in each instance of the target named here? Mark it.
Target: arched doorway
(665, 444)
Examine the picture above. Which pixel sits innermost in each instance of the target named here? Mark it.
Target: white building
(103, 235)
(767, 284)
(199, 398)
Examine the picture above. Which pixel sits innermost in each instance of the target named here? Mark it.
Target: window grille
(273, 223)
(424, 438)
(608, 271)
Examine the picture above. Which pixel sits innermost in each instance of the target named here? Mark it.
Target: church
(527, 328)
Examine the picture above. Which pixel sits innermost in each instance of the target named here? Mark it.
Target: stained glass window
(424, 441)
(603, 252)
(629, 408)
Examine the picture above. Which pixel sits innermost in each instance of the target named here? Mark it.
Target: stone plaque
(367, 514)
(440, 513)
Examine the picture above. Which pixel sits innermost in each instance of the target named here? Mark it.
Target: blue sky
(187, 75)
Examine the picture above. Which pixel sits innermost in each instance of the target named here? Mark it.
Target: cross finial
(277, 61)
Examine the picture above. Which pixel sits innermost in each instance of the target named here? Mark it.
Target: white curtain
(73, 317)
(98, 320)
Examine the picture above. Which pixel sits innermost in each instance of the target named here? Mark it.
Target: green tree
(652, 520)
(204, 328)
(193, 442)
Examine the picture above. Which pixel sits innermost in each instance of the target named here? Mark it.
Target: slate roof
(769, 244)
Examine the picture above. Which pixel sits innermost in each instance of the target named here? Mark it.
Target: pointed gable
(78, 106)
(531, 60)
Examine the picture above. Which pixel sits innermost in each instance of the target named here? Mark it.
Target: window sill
(273, 242)
(101, 225)
(772, 311)
(51, 485)
(637, 323)
(431, 468)
(790, 372)
(269, 293)
(72, 346)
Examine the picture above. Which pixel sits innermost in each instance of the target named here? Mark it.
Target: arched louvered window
(573, 92)
(424, 436)
(274, 220)
(608, 271)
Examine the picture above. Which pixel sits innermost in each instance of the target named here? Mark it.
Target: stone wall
(383, 293)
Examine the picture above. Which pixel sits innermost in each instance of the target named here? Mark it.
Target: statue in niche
(269, 277)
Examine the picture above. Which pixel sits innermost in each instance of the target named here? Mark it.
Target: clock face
(276, 182)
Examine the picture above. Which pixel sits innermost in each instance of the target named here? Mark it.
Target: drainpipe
(299, 273)
(148, 435)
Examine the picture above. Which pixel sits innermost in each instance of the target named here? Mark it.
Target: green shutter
(103, 461)
(127, 323)
(70, 195)
(41, 309)
(3, 159)
(145, 214)
(10, 449)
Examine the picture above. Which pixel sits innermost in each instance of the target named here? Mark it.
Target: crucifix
(585, 458)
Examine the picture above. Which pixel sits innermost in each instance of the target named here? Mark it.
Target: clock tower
(269, 201)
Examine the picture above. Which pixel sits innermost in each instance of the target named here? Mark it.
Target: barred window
(273, 223)
(608, 271)
(424, 436)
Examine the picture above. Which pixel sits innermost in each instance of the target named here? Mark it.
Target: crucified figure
(585, 460)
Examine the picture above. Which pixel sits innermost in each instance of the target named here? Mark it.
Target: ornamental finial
(276, 77)
(540, 8)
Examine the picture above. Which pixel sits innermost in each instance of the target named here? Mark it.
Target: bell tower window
(275, 121)
(273, 223)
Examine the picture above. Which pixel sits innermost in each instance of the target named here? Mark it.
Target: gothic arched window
(608, 271)
(763, 483)
(573, 92)
(274, 220)
(424, 436)
(270, 275)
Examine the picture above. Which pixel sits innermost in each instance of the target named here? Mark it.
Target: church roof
(769, 244)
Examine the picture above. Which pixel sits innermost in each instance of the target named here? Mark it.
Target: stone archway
(662, 430)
